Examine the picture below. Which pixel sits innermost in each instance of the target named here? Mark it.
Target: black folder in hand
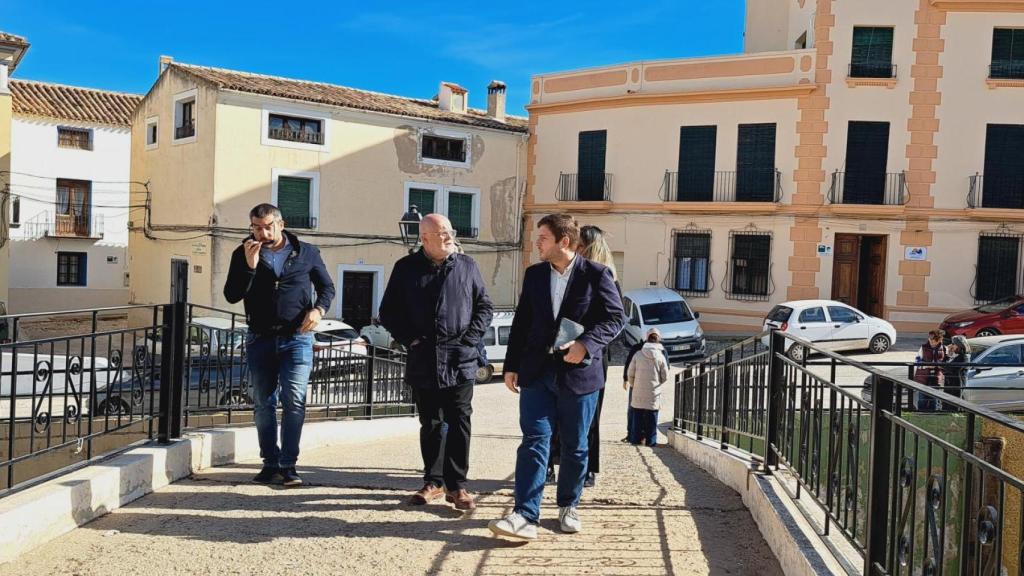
(568, 331)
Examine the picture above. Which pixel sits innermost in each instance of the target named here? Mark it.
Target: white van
(495, 344)
(667, 311)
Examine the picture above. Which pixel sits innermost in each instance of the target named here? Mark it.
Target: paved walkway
(652, 512)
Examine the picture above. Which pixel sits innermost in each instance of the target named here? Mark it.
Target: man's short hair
(263, 210)
(562, 226)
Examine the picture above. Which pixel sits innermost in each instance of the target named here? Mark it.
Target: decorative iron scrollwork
(988, 517)
(907, 472)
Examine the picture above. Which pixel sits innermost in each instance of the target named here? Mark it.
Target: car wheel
(796, 353)
(484, 373)
(880, 343)
(987, 332)
(113, 407)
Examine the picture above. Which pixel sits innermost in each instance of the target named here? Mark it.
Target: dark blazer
(591, 299)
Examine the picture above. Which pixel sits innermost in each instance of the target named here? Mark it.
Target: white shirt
(559, 284)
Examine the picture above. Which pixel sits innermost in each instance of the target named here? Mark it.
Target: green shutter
(872, 52)
(423, 199)
(460, 212)
(293, 200)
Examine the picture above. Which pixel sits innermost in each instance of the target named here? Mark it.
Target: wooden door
(846, 269)
(872, 285)
(357, 298)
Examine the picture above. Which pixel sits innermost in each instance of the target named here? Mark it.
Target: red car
(1004, 316)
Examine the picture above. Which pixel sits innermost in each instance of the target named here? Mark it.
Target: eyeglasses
(260, 228)
(443, 234)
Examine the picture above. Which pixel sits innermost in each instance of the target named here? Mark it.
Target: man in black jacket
(437, 307)
(275, 274)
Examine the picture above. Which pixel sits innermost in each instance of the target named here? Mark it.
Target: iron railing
(585, 187)
(912, 491)
(882, 189)
(722, 186)
(296, 136)
(466, 232)
(995, 192)
(1006, 70)
(872, 70)
(301, 222)
(186, 130)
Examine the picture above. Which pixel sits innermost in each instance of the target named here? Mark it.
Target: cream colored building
(343, 164)
(870, 151)
(12, 49)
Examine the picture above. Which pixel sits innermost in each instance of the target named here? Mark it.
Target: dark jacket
(929, 354)
(591, 299)
(279, 304)
(446, 308)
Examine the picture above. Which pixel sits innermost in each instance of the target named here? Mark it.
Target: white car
(666, 310)
(338, 335)
(1004, 381)
(830, 324)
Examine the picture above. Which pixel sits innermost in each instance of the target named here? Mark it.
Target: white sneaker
(569, 519)
(513, 526)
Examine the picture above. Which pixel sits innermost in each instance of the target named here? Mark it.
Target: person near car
(647, 373)
(630, 420)
(557, 384)
(275, 274)
(595, 248)
(958, 353)
(930, 355)
(436, 305)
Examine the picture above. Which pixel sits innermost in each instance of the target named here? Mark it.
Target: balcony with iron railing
(586, 187)
(996, 192)
(46, 224)
(721, 186)
(296, 136)
(304, 222)
(186, 130)
(876, 189)
(466, 232)
(1006, 70)
(871, 74)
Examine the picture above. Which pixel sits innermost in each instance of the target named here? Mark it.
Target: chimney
(452, 98)
(496, 100)
(164, 61)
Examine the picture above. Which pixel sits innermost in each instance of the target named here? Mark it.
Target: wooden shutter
(1004, 166)
(293, 200)
(867, 156)
(696, 179)
(872, 52)
(590, 164)
(755, 163)
(460, 212)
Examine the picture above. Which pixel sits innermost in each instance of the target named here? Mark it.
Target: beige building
(12, 49)
(344, 165)
(870, 151)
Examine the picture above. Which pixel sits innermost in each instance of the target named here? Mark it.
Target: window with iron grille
(750, 266)
(691, 262)
(998, 270)
(77, 138)
(71, 268)
(440, 148)
(295, 129)
(1007, 53)
(872, 52)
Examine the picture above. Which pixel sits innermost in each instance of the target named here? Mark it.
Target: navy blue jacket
(447, 309)
(591, 299)
(279, 304)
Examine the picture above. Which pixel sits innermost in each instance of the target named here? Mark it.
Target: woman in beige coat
(647, 373)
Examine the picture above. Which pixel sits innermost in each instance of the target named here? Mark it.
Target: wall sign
(824, 250)
(916, 253)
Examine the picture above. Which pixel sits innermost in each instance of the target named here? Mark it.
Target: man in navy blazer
(557, 386)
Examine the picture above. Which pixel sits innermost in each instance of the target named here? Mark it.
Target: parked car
(666, 310)
(495, 344)
(377, 335)
(1005, 316)
(57, 382)
(339, 336)
(830, 324)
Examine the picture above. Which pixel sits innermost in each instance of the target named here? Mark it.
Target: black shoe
(551, 479)
(267, 475)
(291, 477)
(590, 480)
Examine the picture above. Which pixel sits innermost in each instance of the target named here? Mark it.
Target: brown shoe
(461, 499)
(426, 495)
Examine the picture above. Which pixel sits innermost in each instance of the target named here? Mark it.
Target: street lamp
(409, 226)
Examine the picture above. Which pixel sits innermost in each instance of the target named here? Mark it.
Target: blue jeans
(645, 426)
(542, 404)
(279, 367)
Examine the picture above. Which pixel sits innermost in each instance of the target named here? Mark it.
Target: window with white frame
(299, 127)
(445, 148)
(185, 116)
(152, 132)
(297, 195)
(460, 204)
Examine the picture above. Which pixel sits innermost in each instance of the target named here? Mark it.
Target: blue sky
(397, 47)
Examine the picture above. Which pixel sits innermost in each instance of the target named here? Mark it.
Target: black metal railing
(881, 189)
(872, 70)
(466, 232)
(296, 136)
(186, 130)
(995, 192)
(300, 222)
(76, 385)
(908, 475)
(1006, 70)
(722, 186)
(585, 187)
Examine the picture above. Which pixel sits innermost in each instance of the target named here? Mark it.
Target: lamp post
(409, 227)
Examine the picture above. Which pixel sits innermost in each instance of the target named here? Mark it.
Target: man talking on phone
(275, 274)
